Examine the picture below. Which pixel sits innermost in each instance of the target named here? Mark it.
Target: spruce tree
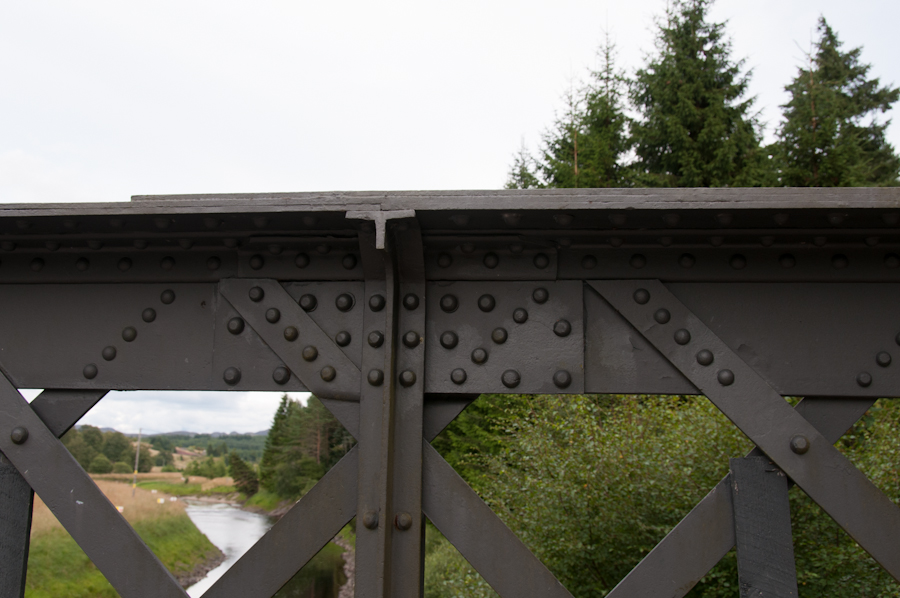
(696, 127)
(244, 477)
(830, 136)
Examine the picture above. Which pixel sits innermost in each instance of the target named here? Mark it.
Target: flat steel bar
(59, 410)
(706, 534)
(119, 553)
(480, 536)
(296, 538)
(856, 504)
(762, 529)
(375, 425)
(310, 354)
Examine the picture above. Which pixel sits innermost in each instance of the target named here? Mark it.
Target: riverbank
(58, 567)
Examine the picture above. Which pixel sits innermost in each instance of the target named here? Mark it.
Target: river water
(231, 529)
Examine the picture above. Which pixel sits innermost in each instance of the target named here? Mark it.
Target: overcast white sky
(104, 100)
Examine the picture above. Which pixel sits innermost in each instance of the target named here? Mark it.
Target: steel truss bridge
(398, 309)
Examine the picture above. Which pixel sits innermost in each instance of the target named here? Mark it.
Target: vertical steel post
(16, 500)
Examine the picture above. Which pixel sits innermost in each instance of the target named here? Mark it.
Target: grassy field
(58, 567)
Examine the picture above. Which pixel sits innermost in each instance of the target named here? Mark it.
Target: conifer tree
(245, 479)
(830, 136)
(696, 127)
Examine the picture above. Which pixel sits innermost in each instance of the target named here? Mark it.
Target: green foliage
(100, 464)
(320, 577)
(265, 500)
(696, 128)
(303, 443)
(87, 443)
(830, 137)
(248, 446)
(210, 467)
(121, 467)
(245, 479)
(219, 449)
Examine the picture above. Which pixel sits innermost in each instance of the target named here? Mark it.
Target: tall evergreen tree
(830, 136)
(696, 128)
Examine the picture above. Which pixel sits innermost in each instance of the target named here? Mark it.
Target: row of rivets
(257, 261)
(883, 359)
(492, 260)
(82, 264)
(739, 262)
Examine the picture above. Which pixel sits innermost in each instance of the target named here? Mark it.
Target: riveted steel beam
(762, 414)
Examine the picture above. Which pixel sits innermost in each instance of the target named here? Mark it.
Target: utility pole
(137, 457)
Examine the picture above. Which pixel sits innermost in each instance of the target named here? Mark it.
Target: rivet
(618, 219)
(376, 302)
(800, 444)
(767, 241)
(716, 241)
(540, 295)
(213, 263)
(662, 315)
(272, 315)
(725, 377)
(491, 260)
(891, 218)
(37, 264)
(23, 224)
(19, 435)
(839, 262)
(70, 224)
(479, 356)
(449, 340)
(510, 378)
(322, 249)
(281, 375)
(835, 218)
(148, 315)
(230, 243)
(309, 220)
(458, 376)
(167, 263)
(564, 242)
(342, 338)
(787, 261)
(891, 260)
(682, 336)
(407, 378)
(444, 260)
(260, 221)
(411, 339)
(780, 219)
(211, 222)
(864, 379)
(8, 246)
(308, 302)
(638, 261)
(52, 245)
(108, 353)
(520, 316)
(562, 379)
(231, 376)
(256, 294)
(185, 243)
(403, 521)
(309, 353)
(375, 339)
(564, 219)
(344, 302)
(82, 264)
(517, 248)
(449, 303)
(370, 519)
(349, 261)
(641, 296)
(511, 218)
(616, 241)
(291, 334)
(129, 334)
(541, 261)
(124, 264)
(562, 328)
(883, 359)
(486, 303)
(95, 244)
(671, 219)
(724, 218)
(257, 262)
(328, 373)
(301, 261)
(89, 371)
(411, 301)
(467, 247)
(167, 296)
(872, 241)
(819, 241)
(275, 249)
(705, 357)
(687, 260)
(588, 262)
(375, 377)
(738, 262)
(499, 335)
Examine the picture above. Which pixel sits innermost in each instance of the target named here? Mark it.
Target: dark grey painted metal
(440, 410)
(16, 499)
(119, 553)
(344, 384)
(762, 414)
(706, 534)
(296, 538)
(480, 536)
(762, 529)
(407, 277)
(61, 409)
(524, 345)
(496, 258)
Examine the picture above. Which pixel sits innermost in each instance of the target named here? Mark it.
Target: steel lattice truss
(398, 309)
